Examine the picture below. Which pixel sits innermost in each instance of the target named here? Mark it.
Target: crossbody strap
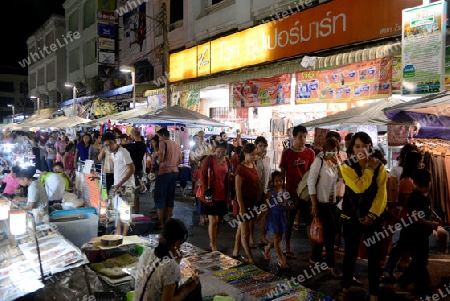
(146, 282)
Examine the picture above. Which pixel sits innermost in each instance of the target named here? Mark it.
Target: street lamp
(12, 106)
(127, 69)
(74, 96)
(38, 104)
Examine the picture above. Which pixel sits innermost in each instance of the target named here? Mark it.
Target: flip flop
(263, 244)
(283, 267)
(289, 255)
(240, 258)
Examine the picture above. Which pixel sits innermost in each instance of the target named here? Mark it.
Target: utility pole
(166, 60)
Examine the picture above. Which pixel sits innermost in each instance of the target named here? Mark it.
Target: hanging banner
(135, 31)
(101, 108)
(262, 92)
(397, 135)
(190, 99)
(156, 102)
(358, 81)
(423, 48)
(397, 75)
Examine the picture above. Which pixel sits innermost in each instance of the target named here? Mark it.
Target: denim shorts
(165, 190)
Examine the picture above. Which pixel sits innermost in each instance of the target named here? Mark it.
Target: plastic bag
(316, 231)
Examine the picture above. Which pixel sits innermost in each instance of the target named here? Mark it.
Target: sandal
(240, 258)
(263, 243)
(289, 255)
(252, 245)
(265, 254)
(283, 267)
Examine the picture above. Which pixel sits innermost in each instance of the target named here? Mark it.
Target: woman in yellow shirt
(364, 201)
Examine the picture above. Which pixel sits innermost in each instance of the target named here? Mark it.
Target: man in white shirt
(54, 187)
(124, 184)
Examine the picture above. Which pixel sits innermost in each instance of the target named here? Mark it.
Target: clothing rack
(437, 160)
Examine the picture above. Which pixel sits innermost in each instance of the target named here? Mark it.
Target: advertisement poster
(423, 42)
(262, 92)
(397, 135)
(320, 137)
(156, 102)
(358, 81)
(447, 68)
(135, 31)
(397, 75)
(190, 99)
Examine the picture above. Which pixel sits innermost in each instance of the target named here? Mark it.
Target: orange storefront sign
(333, 24)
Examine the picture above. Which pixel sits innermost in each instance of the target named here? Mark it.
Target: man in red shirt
(295, 162)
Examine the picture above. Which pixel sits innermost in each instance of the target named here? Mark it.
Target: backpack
(302, 188)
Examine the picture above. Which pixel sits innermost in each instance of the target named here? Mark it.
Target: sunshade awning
(370, 114)
(179, 115)
(430, 112)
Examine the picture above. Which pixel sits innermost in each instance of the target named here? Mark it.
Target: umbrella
(177, 114)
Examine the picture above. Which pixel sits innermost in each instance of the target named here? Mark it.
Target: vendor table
(220, 275)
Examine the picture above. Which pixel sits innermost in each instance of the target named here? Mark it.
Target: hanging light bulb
(4, 209)
(17, 222)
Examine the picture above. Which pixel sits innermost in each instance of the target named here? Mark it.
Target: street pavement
(439, 265)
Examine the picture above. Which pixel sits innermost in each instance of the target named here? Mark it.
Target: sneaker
(335, 273)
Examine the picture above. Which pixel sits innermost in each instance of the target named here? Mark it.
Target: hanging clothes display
(437, 161)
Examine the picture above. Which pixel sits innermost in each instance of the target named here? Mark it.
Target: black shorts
(218, 208)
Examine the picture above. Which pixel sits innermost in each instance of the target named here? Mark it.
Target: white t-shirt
(396, 172)
(121, 159)
(327, 181)
(37, 194)
(55, 187)
(168, 272)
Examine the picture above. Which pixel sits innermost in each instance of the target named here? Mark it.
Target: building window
(88, 14)
(214, 2)
(41, 77)
(6, 100)
(176, 11)
(32, 81)
(89, 52)
(6, 87)
(49, 38)
(24, 88)
(51, 71)
(73, 22)
(74, 60)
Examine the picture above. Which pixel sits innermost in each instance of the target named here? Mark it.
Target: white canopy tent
(370, 114)
(119, 116)
(176, 114)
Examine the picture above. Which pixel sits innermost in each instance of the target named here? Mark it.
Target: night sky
(27, 16)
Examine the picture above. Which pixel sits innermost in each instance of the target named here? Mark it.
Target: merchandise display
(19, 261)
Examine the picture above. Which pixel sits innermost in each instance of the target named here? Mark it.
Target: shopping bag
(316, 231)
(204, 195)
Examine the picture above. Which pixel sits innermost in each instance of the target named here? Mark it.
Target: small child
(277, 204)
(69, 167)
(414, 238)
(11, 182)
(200, 205)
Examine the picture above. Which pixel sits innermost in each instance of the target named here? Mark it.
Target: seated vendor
(11, 182)
(37, 197)
(158, 272)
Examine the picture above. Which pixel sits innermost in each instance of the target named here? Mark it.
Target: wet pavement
(439, 265)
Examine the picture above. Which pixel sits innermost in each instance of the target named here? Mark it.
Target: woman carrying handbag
(322, 180)
(215, 176)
